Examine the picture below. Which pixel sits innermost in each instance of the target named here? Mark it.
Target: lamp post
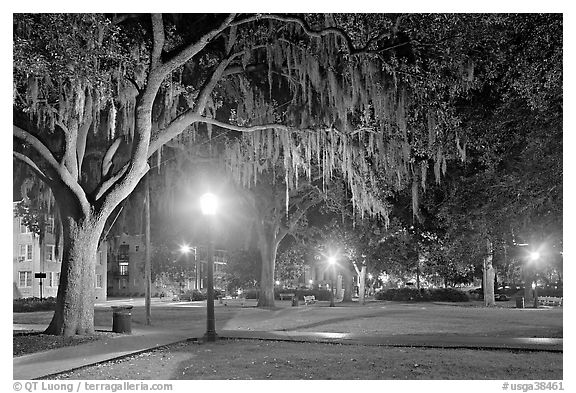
(332, 262)
(534, 256)
(209, 205)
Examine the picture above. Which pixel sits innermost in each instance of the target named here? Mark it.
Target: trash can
(122, 319)
(520, 302)
(295, 301)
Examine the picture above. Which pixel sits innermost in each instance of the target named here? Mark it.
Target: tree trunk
(74, 312)
(362, 285)
(488, 276)
(348, 285)
(268, 248)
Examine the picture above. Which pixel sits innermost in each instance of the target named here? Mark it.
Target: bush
(193, 295)
(31, 304)
(402, 294)
(448, 295)
(423, 295)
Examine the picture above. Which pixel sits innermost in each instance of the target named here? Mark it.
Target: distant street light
(209, 206)
(332, 262)
(534, 256)
(186, 249)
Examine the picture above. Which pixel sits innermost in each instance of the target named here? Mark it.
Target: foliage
(194, 295)
(242, 269)
(413, 294)
(169, 266)
(290, 263)
(31, 304)
(448, 295)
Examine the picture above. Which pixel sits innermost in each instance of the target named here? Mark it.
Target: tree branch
(83, 132)
(37, 145)
(107, 160)
(108, 183)
(211, 83)
(158, 41)
(60, 169)
(193, 49)
(25, 159)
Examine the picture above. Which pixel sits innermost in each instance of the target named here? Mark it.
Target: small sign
(39, 275)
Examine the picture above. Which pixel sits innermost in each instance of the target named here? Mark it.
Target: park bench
(287, 296)
(309, 299)
(550, 300)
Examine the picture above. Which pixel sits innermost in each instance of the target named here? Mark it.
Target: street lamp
(332, 262)
(534, 256)
(209, 205)
(186, 249)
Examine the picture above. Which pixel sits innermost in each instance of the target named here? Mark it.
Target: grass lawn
(275, 360)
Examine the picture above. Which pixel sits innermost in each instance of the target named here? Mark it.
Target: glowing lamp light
(277, 282)
(534, 255)
(185, 249)
(311, 281)
(331, 260)
(209, 204)
(533, 285)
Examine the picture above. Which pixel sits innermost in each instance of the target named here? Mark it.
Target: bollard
(122, 319)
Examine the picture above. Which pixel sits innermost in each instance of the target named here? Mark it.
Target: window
(50, 225)
(25, 252)
(54, 279)
(24, 228)
(136, 248)
(51, 252)
(24, 279)
(99, 258)
(123, 283)
(123, 269)
(98, 281)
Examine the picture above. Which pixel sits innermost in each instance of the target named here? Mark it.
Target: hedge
(31, 304)
(423, 295)
(319, 294)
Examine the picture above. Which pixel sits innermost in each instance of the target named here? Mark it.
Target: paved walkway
(42, 364)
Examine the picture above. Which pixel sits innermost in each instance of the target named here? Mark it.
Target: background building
(27, 263)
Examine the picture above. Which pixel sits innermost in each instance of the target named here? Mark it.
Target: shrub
(423, 295)
(193, 295)
(31, 304)
(448, 295)
(549, 292)
(402, 294)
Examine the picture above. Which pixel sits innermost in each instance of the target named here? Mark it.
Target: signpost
(40, 276)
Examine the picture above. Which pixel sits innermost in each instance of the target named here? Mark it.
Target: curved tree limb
(60, 169)
(108, 183)
(25, 159)
(37, 145)
(83, 132)
(194, 48)
(107, 160)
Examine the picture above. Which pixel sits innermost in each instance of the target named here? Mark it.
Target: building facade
(126, 255)
(126, 277)
(34, 276)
